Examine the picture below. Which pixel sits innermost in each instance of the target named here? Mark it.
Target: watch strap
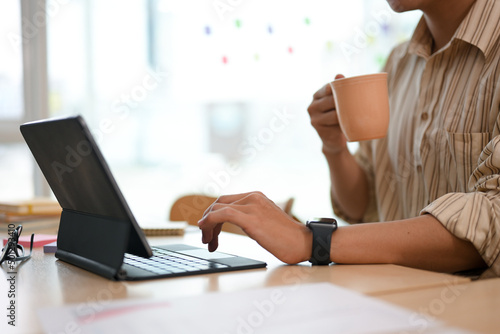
(322, 237)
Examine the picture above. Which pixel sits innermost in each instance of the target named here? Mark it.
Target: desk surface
(474, 306)
(44, 281)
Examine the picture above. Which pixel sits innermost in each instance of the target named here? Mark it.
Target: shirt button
(424, 116)
(419, 168)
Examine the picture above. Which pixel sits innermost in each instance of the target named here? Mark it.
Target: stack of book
(39, 213)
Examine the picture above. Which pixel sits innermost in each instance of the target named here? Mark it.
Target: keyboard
(167, 262)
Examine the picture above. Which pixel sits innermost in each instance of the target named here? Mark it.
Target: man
(433, 182)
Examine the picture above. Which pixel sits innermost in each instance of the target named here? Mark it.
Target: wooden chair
(190, 208)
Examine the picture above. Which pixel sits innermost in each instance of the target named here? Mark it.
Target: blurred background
(205, 96)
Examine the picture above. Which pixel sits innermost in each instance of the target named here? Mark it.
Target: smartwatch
(322, 229)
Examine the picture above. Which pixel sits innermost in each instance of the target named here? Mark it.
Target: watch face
(322, 221)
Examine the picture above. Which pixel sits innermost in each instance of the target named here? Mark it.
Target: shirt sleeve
(474, 216)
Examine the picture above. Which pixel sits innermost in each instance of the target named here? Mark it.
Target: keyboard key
(167, 262)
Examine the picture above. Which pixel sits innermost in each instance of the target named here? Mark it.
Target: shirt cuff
(473, 217)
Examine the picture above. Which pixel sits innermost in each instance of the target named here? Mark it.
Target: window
(11, 101)
(15, 165)
(211, 96)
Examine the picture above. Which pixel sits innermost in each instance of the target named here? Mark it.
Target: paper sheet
(309, 308)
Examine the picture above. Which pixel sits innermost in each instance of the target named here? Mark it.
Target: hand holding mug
(324, 119)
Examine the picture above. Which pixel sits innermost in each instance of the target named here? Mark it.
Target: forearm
(420, 242)
(349, 185)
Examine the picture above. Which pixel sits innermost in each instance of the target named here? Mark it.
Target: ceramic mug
(362, 104)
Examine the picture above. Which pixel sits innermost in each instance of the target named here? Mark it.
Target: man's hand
(263, 221)
(324, 119)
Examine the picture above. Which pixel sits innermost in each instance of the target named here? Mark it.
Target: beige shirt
(442, 152)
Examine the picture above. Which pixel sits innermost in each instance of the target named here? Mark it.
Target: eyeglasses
(14, 251)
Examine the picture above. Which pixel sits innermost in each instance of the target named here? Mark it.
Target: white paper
(309, 308)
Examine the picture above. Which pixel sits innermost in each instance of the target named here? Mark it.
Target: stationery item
(14, 218)
(32, 225)
(50, 248)
(163, 228)
(34, 206)
(38, 241)
(96, 216)
(362, 104)
(302, 308)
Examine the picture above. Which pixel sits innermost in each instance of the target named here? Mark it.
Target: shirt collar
(421, 41)
(480, 27)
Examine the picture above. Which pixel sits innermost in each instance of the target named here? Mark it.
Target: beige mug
(362, 104)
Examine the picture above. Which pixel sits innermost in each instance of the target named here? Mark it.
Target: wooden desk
(44, 281)
(474, 306)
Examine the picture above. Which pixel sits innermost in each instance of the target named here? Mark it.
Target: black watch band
(322, 229)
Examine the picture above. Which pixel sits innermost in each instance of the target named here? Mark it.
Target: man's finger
(221, 213)
(323, 91)
(327, 119)
(214, 243)
(211, 223)
(323, 105)
(326, 89)
(229, 199)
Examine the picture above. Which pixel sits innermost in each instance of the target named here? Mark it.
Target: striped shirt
(442, 152)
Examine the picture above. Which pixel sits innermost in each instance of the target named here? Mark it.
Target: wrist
(308, 244)
(330, 151)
